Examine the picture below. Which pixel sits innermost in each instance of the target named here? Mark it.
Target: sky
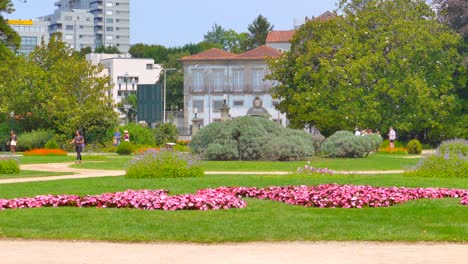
(178, 22)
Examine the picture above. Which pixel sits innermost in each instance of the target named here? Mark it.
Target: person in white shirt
(392, 137)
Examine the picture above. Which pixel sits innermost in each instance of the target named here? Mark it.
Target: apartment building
(32, 32)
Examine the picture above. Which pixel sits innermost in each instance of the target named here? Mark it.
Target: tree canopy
(9, 41)
(56, 88)
(258, 31)
(379, 64)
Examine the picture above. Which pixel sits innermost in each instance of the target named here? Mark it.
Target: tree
(455, 14)
(58, 89)
(380, 64)
(9, 43)
(258, 31)
(107, 49)
(228, 40)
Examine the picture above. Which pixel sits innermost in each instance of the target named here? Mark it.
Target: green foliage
(125, 148)
(344, 144)
(9, 42)
(453, 147)
(251, 138)
(396, 143)
(450, 160)
(166, 132)
(58, 89)
(34, 139)
(51, 144)
(414, 147)
(258, 31)
(228, 40)
(138, 134)
(9, 166)
(164, 164)
(393, 64)
(107, 49)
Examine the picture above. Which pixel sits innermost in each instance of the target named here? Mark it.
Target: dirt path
(59, 252)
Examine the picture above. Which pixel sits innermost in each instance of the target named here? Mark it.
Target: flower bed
(323, 196)
(45, 152)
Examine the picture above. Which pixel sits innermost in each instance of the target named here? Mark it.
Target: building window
(68, 18)
(149, 66)
(238, 81)
(238, 103)
(218, 81)
(109, 13)
(69, 37)
(198, 81)
(217, 104)
(199, 105)
(109, 4)
(109, 29)
(109, 38)
(109, 20)
(258, 81)
(69, 27)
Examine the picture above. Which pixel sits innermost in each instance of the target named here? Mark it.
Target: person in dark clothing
(78, 140)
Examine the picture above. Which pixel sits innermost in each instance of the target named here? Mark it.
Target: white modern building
(126, 72)
(215, 75)
(32, 32)
(92, 23)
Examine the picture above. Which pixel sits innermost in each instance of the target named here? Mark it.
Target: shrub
(251, 138)
(125, 148)
(164, 164)
(386, 144)
(344, 144)
(166, 132)
(449, 160)
(138, 134)
(9, 166)
(45, 152)
(52, 144)
(414, 147)
(388, 150)
(34, 139)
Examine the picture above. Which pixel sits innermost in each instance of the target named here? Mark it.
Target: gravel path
(59, 252)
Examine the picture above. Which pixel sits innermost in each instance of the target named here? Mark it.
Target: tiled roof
(279, 36)
(211, 54)
(259, 53)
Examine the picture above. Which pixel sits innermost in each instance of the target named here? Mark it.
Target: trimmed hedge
(9, 165)
(344, 144)
(251, 138)
(414, 147)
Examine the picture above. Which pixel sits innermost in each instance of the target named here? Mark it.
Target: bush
(52, 144)
(34, 139)
(450, 160)
(386, 144)
(165, 133)
(344, 144)
(125, 148)
(164, 164)
(388, 150)
(138, 134)
(9, 166)
(251, 138)
(414, 147)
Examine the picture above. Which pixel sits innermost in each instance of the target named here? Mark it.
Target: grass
(423, 220)
(373, 162)
(30, 173)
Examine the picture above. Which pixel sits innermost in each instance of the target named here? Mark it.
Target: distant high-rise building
(92, 23)
(32, 32)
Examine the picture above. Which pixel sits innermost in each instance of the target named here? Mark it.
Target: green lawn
(29, 173)
(373, 162)
(423, 220)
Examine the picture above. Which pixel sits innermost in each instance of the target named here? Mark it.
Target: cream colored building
(126, 72)
(215, 75)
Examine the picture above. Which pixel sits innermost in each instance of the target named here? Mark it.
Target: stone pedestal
(196, 122)
(225, 112)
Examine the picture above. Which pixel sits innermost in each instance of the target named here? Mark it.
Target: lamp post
(12, 115)
(164, 93)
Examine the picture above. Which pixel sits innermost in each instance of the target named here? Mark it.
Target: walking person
(78, 140)
(117, 137)
(392, 137)
(13, 142)
(126, 136)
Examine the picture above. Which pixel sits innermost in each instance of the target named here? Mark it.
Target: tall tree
(380, 64)
(9, 42)
(258, 31)
(107, 49)
(455, 14)
(228, 40)
(59, 89)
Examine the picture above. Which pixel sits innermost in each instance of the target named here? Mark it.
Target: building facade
(92, 23)
(32, 32)
(126, 73)
(215, 76)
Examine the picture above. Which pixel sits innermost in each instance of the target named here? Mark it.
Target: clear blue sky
(178, 22)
